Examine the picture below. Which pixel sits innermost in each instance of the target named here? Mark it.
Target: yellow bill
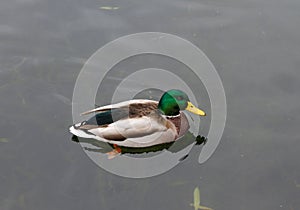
(191, 108)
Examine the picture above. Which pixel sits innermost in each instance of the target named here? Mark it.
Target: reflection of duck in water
(173, 147)
(139, 123)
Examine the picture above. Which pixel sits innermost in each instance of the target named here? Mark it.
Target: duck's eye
(180, 98)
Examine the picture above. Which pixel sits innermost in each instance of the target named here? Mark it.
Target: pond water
(254, 46)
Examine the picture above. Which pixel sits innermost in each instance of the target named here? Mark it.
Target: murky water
(254, 45)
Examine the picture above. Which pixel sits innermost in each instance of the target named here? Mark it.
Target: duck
(139, 123)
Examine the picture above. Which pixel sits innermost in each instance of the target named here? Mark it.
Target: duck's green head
(173, 101)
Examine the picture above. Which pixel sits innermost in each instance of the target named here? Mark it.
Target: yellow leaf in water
(3, 140)
(109, 8)
(196, 203)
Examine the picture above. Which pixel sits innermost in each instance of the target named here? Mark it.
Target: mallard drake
(139, 122)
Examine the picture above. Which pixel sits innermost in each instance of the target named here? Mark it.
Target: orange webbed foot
(115, 152)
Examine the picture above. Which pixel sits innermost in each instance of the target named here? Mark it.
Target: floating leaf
(3, 140)
(196, 203)
(109, 8)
